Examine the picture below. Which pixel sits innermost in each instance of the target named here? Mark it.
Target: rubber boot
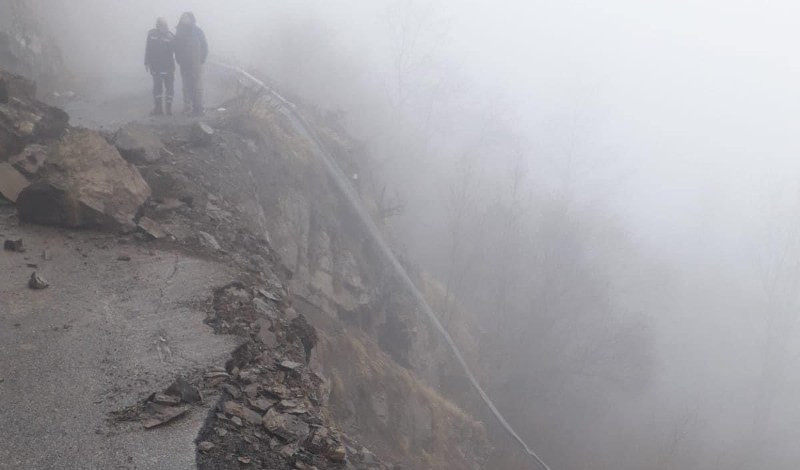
(169, 108)
(157, 110)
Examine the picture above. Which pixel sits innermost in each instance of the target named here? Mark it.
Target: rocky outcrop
(26, 48)
(23, 119)
(84, 183)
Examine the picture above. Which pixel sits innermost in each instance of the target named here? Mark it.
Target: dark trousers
(192, 78)
(164, 86)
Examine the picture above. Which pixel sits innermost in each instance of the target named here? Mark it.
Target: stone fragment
(338, 454)
(164, 399)
(23, 119)
(267, 337)
(186, 391)
(264, 309)
(202, 133)
(245, 460)
(252, 390)
(207, 240)
(287, 427)
(236, 410)
(205, 446)
(158, 415)
(31, 160)
(138, 144)
(269, 295)
(152, 228)
(290, 365)
(262, 404)
(12, 182)
(319, 443)
(232, 390)
(288, 450)
(37, 282)
(169, 204)
(293, 407)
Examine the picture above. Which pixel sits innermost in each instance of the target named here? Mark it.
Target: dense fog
(606, 193)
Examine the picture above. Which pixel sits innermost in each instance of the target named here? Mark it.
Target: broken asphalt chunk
(14, 245)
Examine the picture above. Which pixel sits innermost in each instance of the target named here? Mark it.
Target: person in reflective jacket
(191, 52)
(159, 60)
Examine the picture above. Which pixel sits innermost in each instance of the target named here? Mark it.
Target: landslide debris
(271, 408)
(60, 175)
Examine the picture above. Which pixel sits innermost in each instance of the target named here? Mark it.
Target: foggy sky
(685, 114)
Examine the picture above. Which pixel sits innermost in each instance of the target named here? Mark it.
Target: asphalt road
(105, 334)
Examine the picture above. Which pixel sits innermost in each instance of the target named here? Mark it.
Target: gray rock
(31, 160)
(208, 241)
(287, 427)
(267, 337)
(290, 365)
(186, 391)
(202, 133)
(236, 410)
(205, 446)
(232, 390)
(23, 119)
(84, 183)
(37, 282)
(164, 399)
(157, 415)
(12, 182)
(137, 144)
(152, 228)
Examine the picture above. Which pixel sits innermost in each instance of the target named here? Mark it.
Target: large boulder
(84, 183)
(138, 144)
(23, 119)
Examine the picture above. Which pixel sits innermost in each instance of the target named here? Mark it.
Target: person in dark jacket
(191, 52)
(159, 60)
